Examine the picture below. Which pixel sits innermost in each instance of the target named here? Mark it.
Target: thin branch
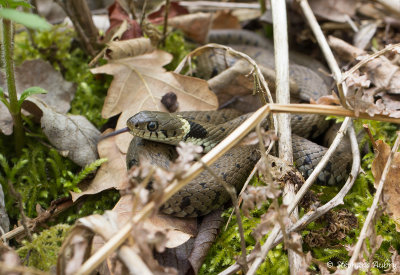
(326, 50)
(371, 138)
(167, 5)
(373, 208)
(214, 5)
(4, 267)
(24, 219)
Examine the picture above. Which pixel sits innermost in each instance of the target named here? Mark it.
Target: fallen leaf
(380, 72)
(195, 25)
(9, 257)
(117, 16)
(70, 133)
(128, 48)
(175, 9)
(224, 19)
(131, 76)
(391, 190)
(334, 10)
(41, 74)
(74, 250)
(111, 174)
(366, 32)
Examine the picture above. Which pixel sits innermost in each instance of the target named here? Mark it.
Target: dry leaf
(177, 230)
(391, 190)
(41, 74)
(74, 250)
(112, 174)
(70, 133)
(129, 48)
(334, 10)
(225, 20)
(380, 72)
(365, 33)
(10, 258)
(117, 16)
(175, 9)
(195, 25)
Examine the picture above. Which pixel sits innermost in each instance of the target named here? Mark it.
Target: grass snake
(157, 133)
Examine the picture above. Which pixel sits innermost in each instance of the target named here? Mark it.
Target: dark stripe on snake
(196, 130)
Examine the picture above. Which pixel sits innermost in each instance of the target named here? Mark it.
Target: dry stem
(326, 50)
(373, 208)
(281, 53)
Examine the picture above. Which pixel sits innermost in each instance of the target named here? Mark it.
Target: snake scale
(156, 134)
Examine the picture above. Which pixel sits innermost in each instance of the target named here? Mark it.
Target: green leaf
(14, 3)
(32, 21)
(30, 91)
(3, 98)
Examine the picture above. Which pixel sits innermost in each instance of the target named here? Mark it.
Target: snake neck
(209, 135)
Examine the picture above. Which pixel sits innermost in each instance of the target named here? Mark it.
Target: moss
(42, 252)
(176, 45)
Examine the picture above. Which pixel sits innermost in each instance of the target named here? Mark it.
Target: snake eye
(152, 126)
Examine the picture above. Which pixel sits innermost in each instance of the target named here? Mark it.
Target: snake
(156, 135)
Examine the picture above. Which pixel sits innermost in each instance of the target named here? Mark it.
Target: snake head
(158, 126)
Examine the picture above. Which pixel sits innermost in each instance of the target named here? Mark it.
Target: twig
(167, 4)
(8, 269)
(24, 219)
(371, 138)
(56, 207)
(281, 53)
(232, 192)
(219, 5)
(369, 58)
(87, 45)
(373, 208)
(327, 110)
(326, 50)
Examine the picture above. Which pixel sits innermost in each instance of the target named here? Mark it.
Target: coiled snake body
(156, 133)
